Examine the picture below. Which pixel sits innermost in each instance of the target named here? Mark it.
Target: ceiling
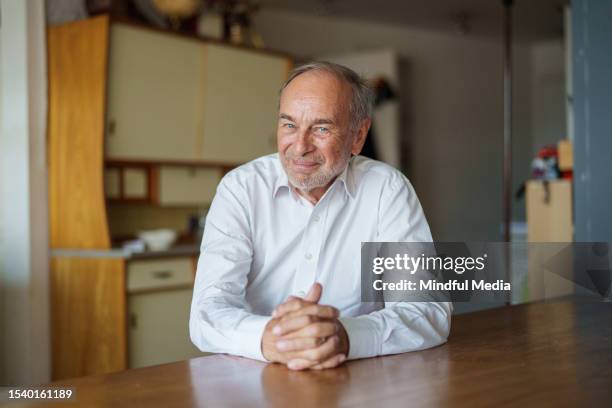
(534, 20)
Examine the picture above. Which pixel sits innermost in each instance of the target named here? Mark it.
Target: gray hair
(362, 100)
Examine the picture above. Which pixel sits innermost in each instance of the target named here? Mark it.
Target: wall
(129, 219)
(385, 120)
(453, 114)
(548, 93)
(2, 233)
(592, 86)
(24, 260)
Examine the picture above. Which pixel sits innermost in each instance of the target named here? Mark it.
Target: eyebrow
(285, 116)
(321, 121)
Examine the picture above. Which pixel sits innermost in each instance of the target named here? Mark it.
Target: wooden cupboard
(155, 85)
(163, 107)
(187, 185)
(172, 98)
(167, 186)
(241, 103)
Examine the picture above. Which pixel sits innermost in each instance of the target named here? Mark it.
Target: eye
(322, 129)
(289, 125)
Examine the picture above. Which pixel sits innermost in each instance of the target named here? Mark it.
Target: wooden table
(542, 354)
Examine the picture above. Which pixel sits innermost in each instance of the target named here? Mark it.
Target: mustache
(305, 159)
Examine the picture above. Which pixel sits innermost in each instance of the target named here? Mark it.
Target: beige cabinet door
(159, 301)
(154, 96)
(181, 186)
(159, 328)
(241, 103)
(135, 183)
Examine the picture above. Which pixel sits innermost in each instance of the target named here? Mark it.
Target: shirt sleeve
(221, 320)
(400, 326)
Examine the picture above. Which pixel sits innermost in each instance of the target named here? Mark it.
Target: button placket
(311, 247)
(304, 277)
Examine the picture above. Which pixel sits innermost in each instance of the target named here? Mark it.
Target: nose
(303, 145)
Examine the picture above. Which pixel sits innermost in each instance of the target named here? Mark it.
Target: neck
(313, 196)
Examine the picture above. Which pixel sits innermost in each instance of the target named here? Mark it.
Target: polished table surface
(540, 354)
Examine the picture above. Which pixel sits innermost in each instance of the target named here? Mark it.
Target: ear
(360, 136)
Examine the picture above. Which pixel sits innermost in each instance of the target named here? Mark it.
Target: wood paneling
(537, 355)
(77, 60)
(88, 311)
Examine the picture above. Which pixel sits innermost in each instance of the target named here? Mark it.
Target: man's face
(314, 135)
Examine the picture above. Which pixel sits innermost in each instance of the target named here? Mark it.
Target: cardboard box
(566, 155)
(549, 211)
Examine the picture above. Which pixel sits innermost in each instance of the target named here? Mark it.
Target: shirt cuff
(249, 334)
(363, 337)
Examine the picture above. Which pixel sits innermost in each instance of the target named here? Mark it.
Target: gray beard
(317, 180)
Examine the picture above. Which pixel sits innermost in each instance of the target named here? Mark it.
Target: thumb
(314, 294)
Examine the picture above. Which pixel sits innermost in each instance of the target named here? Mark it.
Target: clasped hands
(304, 334)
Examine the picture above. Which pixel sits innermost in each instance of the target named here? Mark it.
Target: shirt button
(308, 256)
(301, 293)
(316, 218)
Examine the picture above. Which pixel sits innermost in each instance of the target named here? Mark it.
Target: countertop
(175, 251)
(541, 354)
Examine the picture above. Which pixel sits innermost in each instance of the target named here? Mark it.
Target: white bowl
(158, 240)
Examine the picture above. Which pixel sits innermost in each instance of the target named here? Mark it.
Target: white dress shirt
(263, 242)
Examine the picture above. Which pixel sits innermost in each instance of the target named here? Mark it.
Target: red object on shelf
(548, 151)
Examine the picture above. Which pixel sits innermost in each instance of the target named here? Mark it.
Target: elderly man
(278, 277)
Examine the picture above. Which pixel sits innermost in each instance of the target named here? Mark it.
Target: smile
(305, 165)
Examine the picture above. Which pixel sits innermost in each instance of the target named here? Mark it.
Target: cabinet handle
(112, 126)
(133, 321)
(162, 274)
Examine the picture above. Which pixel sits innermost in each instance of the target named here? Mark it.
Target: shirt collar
(346, 178)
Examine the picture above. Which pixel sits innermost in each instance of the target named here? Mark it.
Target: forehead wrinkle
(310, 109)
(321, 92)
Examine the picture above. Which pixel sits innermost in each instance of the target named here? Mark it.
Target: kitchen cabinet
(135, 183)
(167, 186)
(112, 183)
(174, 98)
(159, 328)
(125, 102)
(130, 183)
(187, 186)
(154, 95)
(241, 108)
(159, 299)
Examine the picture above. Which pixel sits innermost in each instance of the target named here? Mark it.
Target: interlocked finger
(311, 357)
(286, 326)
(323, 311)
(299, 343)
(291, 305)
(323, 328)
(330, 363)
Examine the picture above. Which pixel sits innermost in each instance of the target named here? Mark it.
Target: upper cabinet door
(155, 95)
(241, 104)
